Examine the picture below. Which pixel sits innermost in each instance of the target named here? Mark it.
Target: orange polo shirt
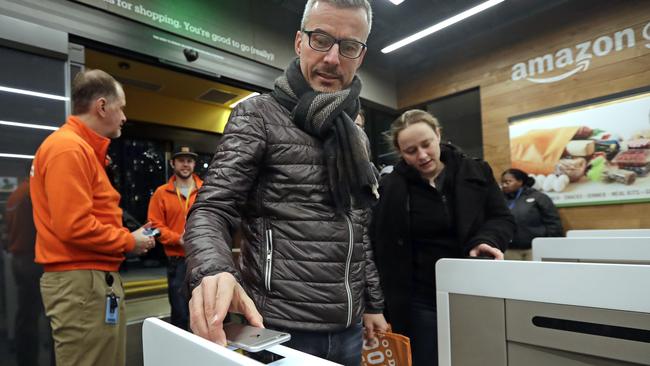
(76, 209)
(168, 211)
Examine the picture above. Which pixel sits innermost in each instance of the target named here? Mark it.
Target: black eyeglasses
(323, 42)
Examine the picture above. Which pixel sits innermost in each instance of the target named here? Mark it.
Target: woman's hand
(486, 250)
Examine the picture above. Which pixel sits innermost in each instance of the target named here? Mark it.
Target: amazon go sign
(577, 58)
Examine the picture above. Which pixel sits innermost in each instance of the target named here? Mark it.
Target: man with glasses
(292, 172)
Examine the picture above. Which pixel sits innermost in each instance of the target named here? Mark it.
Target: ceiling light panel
(444, 24)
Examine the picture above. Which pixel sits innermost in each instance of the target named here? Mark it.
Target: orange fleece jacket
(168, 214)
(76, 209)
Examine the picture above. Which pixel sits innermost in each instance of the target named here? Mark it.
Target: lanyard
(511, 203)
(187, 199)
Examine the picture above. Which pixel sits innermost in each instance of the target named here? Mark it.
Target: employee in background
(167, 212)
(436, 203)
(534, 212)
(80, 240)
(21, 240)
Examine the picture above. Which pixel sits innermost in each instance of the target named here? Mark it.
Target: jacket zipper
(445, 204)
(347, 269)
(268, 260)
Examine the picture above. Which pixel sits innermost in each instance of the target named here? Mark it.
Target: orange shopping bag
(387, 349)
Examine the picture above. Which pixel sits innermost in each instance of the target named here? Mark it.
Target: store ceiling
(507, 23)
(501, 26)
(164, 96)
(164, 81)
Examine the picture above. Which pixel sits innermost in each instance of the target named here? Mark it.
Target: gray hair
(342, 4)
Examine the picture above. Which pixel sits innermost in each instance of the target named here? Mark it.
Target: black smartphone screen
(264, 357)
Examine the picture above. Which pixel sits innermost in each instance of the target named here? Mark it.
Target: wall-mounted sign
(593, 152)
(569, 61)
(239, 27)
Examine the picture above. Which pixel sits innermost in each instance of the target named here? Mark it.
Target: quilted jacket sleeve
(374, 295)
(214, 217)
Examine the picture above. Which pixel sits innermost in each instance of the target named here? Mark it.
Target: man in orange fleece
(167, 212)
(80, 239)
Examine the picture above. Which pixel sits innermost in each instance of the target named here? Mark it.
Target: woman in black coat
(534, 212)
(437, 203)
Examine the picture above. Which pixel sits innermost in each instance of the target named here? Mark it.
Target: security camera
(190, 54)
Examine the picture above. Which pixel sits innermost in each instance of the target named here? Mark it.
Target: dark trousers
(343, 347)
(30, 309)
(423, 332)
(177, 292)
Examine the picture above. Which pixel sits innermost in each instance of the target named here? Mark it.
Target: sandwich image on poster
(589, 153)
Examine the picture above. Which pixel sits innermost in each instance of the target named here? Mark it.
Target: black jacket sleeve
(550, 216)
(374, 295)
(498, 225)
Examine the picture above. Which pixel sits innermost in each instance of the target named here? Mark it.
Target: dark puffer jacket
(305, 267)
(536, 217)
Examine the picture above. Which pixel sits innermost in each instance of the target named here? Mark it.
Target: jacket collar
(524, 192)
(171, 187)
(97, 142)
(454, 157)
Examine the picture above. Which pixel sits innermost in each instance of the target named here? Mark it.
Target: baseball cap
(184, 151)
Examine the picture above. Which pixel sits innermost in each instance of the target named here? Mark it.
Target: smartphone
(253, 339)
(151, 231)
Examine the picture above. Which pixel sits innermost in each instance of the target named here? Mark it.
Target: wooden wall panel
(502, 97)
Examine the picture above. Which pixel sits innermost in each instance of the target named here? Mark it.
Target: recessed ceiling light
(444, 24)
(396, 2)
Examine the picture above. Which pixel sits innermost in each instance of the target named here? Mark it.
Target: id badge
(112, 309)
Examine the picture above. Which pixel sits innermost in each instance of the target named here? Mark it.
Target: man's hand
(486, 250)
(374, 323)
(142, 242)
(213, 299)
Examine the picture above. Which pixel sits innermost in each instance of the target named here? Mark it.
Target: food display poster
(589, 153)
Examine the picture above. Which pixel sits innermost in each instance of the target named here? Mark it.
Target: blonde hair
(409, 118)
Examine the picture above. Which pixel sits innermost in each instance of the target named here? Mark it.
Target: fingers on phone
(250, 312)
(198, 322)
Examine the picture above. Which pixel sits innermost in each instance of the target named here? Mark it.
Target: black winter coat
(304, 266)
(536, 216)
(480, 214)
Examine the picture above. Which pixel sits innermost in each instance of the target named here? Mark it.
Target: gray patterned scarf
(329, 117)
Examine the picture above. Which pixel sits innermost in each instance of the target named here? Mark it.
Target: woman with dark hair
(436, 203)
(534, 212)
